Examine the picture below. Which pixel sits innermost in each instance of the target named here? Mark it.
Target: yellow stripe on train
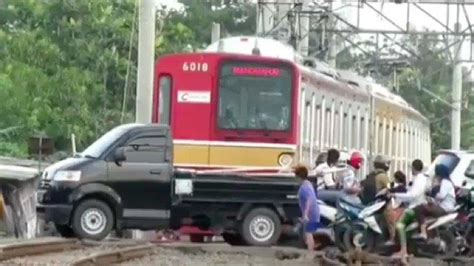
(231, 156)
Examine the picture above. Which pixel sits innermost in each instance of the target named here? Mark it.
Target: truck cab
(460, 164)
(121, 181)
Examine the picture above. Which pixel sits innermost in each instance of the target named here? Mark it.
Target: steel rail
(115, 256)
(10, 251)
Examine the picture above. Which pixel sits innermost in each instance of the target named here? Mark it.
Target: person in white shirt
(350, 182)
(413, 197)
(444, 200)
(326, 171)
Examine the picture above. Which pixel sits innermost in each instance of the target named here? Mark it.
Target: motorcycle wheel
(447, 249)
(357, 233)
(339, 231)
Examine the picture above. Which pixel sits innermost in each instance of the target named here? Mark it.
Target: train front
(230, 108)
(256, 114)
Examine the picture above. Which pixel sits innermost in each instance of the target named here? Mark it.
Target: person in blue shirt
(309, 207)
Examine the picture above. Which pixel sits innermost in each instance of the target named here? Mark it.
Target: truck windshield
(255, 96)
(96, 149)
(448, 159)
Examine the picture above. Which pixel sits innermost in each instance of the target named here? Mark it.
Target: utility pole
(216, 32)
(146, 59)
(332, 38)
(304, 29)
(457, 93)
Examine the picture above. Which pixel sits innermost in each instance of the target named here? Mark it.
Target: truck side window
(146, 149)
(470, 170)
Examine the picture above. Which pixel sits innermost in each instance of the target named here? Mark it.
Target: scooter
(464, 225)
(370, 228)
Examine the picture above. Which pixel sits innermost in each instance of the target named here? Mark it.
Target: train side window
(164, 105)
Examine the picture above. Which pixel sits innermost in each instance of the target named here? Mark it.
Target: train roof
(267, 47)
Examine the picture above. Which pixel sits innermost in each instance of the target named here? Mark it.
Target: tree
(430, 70)
(70, 66)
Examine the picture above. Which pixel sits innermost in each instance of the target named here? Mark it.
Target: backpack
(369, 188)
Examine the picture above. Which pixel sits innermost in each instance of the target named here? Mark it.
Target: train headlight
(285, 159)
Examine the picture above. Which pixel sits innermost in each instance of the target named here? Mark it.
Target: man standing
(309, 207)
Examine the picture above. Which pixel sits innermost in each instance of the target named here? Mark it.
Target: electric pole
(332, 53)
(457, 93)
(146, 60)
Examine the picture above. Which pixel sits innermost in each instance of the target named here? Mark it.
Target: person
(395, 209)
(324, 170)
(444, 200)
(350, 183)
(376, 180)
(327, 178)
(400, 185)
(415, 197)
(309, 207)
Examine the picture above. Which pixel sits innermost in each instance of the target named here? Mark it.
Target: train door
(185, 103)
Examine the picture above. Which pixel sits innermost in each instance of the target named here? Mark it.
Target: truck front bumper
(58, 214)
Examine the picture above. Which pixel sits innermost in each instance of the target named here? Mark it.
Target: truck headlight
(73, 176)
(285, 159)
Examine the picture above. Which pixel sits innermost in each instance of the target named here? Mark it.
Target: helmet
(382, 162)
(356, 159)
(442, 171)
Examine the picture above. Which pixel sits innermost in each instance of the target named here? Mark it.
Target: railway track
(71, 252)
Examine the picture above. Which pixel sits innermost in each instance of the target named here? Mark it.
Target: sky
(369, 19)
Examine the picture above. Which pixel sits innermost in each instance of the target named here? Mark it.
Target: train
(254, 104)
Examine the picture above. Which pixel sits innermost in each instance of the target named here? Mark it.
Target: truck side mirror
(119, 155)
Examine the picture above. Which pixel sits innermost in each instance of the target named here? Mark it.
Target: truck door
(143, 180)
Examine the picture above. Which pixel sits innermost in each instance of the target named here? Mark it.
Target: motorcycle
(370, 228)
(464, 225)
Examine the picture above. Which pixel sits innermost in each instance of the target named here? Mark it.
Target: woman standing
(309, 207)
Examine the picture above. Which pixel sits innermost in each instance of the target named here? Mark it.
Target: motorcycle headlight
(72, 176)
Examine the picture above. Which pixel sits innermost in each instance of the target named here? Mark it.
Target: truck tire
(64, 230)
(261, 227)
(92, 219)
(233, 239)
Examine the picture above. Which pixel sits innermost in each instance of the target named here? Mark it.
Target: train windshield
(255, 96)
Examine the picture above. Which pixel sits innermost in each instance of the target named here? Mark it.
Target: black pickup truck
(126, 180)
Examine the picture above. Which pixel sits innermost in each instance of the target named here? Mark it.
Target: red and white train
(232, 108)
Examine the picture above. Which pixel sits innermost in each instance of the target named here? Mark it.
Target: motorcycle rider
(395, 208)
(376, 180)
(323, 170)
(350, 182)
(444, 200)
(328, 187)
(416, 198)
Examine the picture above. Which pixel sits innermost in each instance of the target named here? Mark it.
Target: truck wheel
(64, 230)
(261, 227)
(233, 239)
(92, 219)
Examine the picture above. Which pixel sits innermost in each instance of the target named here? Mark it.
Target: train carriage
(253, 104)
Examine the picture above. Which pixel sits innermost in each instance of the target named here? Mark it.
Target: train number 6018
(195, 67)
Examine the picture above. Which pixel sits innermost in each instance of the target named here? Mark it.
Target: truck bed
(240, 188)
(220, 200)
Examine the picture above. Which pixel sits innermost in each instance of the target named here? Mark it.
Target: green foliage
(64, 62)
(431, 70)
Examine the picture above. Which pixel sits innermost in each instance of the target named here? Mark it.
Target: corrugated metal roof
(17, 172)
